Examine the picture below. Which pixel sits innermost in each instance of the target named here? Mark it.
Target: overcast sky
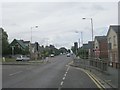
(57, 21)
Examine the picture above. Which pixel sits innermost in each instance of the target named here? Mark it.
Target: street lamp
(31, 31)
(81, 37)
(91, 31)
(31, 41)
(13, 50)
(91, 25)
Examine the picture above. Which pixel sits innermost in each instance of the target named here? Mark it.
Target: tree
(69, 51)
(63, 50)
(5, 44)
(73, 49)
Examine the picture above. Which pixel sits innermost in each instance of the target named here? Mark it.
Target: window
(114, 40)
(109, 39)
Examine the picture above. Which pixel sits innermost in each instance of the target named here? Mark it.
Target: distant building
(76, 47)
(34, 51)
(91, 47)
(100, 47)
(112, 39)
(19, 47)
(18, 43)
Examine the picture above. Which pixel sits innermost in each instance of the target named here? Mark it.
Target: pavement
(57, 73)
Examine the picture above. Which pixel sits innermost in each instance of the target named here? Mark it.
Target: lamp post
(31, 41)
(79, 38)
(31, 31)
(91, 20)
(13, 51)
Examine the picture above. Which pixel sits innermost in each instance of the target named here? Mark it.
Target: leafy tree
(63, 50)
(73, 49)
(69, 51)
(5, 43)
(82, 53)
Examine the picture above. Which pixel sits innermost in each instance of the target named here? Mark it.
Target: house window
(109, 39)
(114, 40)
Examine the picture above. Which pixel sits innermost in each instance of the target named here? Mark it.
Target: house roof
(26, 41)
(101, 38)
(85, 46)
(115, 28)
(19, 42)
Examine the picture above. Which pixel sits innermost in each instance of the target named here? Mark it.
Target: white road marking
(68, 68)
(15, 73)
(63, 78)
(61, 83)
(66, 65)
(65, 75)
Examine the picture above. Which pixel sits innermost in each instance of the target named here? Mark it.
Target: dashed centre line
(65, 75)
(61, 83)
(63, 78)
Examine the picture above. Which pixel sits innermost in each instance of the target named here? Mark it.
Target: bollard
(3, 59)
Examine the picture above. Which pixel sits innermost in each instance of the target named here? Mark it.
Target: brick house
(112, 39)
(101, 47)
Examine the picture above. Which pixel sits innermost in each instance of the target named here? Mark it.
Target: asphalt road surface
(55, 74)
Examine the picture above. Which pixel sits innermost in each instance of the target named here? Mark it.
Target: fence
(100, 65)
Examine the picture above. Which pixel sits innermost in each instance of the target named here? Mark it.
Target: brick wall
(103, 50)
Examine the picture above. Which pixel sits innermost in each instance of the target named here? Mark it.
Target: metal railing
(97, 64)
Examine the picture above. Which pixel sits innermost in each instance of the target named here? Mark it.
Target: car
(52, 55)
(68, 55)
(22, 58)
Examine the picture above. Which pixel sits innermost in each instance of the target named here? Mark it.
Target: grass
(9, 60)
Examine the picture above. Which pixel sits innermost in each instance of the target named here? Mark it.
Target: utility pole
(12, 51)
(79, 42)
(82, 38)
(91, 21)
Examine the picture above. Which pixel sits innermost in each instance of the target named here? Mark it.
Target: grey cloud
(57, 21)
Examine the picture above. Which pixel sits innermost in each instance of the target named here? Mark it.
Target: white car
(22, 58)
(68, 55)
(52, 55)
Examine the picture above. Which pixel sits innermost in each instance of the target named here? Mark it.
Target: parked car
(68, 55)
(22, 58)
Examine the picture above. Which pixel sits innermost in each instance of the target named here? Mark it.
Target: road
(55, 74)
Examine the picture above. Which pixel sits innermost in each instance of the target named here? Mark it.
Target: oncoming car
(52, 55)
(68, 55)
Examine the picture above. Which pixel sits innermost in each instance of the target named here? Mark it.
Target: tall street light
(31, 41)
(81, 37)
(31, 31)
(91, 20)
(91, 25)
